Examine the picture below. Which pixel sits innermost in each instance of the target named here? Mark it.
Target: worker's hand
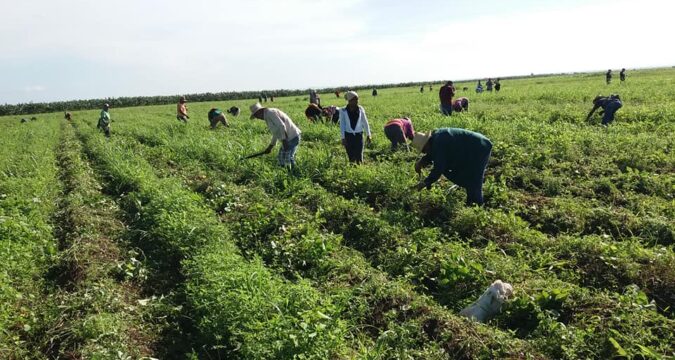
(369, 140)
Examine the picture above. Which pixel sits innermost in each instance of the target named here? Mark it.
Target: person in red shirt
(398, 131)
(445, 95)
(460, 104)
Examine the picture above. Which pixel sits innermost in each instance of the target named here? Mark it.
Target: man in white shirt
(282, 128)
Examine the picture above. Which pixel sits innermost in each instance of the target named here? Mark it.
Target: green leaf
(617, 347)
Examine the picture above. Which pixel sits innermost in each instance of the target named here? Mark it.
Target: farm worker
(445, 95)
(216, 116)
(67, 115)
(608, 76)
(353, 122)
(314, 98)
(330, 113)
(374, 92)
(488, 85)
(398, 131)
(461, 155)
(234, 111)
(498, 85)
(282, 128)
(609, 104)
(337, 94)
(181, 110)
(622, 75)
(313, 112)
(479, 87)
(104, 120)
(460, 104)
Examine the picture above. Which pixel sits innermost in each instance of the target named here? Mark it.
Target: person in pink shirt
(398, 131)
(460, 104)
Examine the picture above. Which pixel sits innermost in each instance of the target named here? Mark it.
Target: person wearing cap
(181, 110)
(398, 131)
(460, 155)
(460, 104)
(282, 128)
(353, 123)
(216, 116)
(445, 95)
(609, 104)
(104, 120)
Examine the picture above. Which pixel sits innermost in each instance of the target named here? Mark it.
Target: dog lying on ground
(490, 303)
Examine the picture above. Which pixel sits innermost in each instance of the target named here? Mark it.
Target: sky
(84, 49)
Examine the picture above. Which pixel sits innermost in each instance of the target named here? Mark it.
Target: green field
(161, 242)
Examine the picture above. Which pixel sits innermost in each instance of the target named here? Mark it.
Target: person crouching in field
(461, 155)
(104, 120)
(68, 116)
(609, 104)
(282, 128)
(353, 122)
(234, 111)
(398, 131)
(313, 112)
(181, 110)
(460, 104)
(216, 116)
(330, 113)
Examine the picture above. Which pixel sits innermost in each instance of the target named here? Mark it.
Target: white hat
(420, 140)
(254, 109)
(349, 95)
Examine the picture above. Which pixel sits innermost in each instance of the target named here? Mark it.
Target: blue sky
(81, 49)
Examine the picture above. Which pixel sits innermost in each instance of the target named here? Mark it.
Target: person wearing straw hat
(460, 155)
(398, 131)
(353, 123)
(181, 110)
(282, 128)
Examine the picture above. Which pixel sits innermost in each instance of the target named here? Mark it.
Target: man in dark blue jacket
(461, 155)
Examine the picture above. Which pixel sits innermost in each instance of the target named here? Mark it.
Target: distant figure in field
(234, 111)
(466, 88)
(460, 155)
(479, 87)
(353, 123)
(216, 116)
(422, 88)
(622, 75)
(374, 92)
(609, 104)
(608, 76)
(498, 85)
(445, 95)
(260, 98)
(283, 129)
(271, 98)
(430, 88)
(181, 110)
(488, 85)
(330, 113)
(337, 94)
(460, 104)
(313, 112)
(398, 131)
(314, 98)
(264, 96)
(24, 120)
(104, 120)
(68, 116)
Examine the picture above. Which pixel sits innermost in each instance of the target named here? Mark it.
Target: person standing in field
(104, 120)
(314, 98)
(283, 129)
(609, 104)
(353, 123)
(479, 87)
(374, 92)
(460, 155)
(622, 75)
(181, 110)
(460, 104)
(608, 76)
(398, 131)
(488, 85)
(445, 95)
(498, 85)
(422, 89)
(337, 94)
(216, 116)
(68, 116)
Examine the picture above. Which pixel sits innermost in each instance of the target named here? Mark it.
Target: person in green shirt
(104, 120)
(460, 155)
(216, 116)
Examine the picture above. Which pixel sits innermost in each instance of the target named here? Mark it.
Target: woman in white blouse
(353, 123)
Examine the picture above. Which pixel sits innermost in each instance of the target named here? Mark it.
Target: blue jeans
(287, 156)
(446, 109)
(610, 109)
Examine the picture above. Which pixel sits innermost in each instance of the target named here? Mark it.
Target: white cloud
(34, 88)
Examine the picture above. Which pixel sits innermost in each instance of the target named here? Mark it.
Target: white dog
(490, 303)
